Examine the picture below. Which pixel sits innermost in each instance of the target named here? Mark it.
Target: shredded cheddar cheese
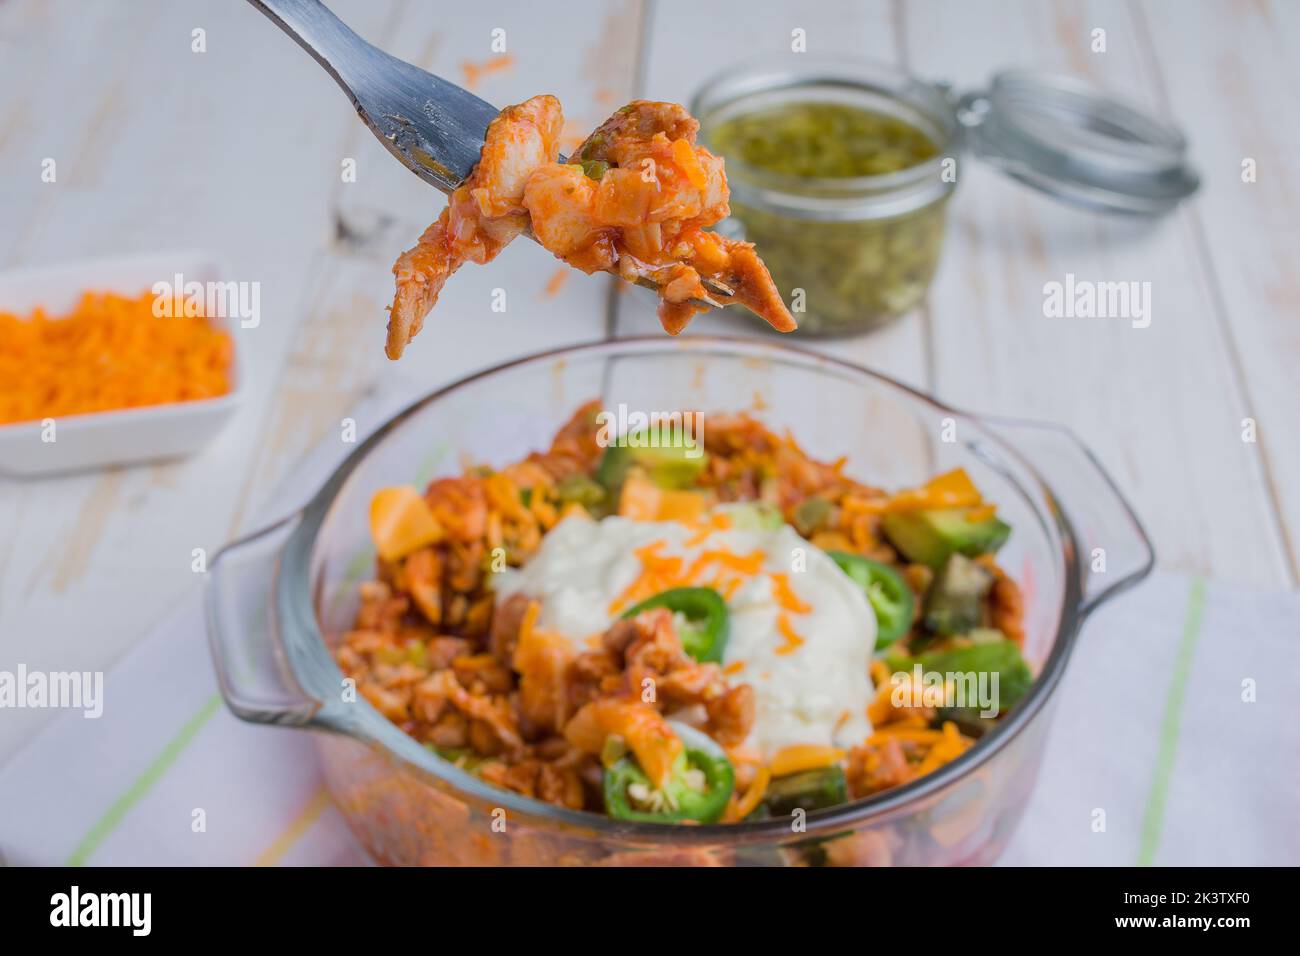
(660, 572)
(110, 352)
(949, 747)
(799, 757)
(881, 708)
(474, 72)
(738, 809)
(530, 620)
(746, 564)
(727, 587)
(555, 283)
(475, 662)
(918, 735)
(718, 521)
(952, 489)
(785, 596)
(793, 641)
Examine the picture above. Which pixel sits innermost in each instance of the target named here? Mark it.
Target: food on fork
(481, 217)
(636, 202)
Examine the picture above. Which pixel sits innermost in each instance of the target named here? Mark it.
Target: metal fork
(433, 127)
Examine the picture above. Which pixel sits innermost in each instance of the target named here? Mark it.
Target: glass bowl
(279, 599)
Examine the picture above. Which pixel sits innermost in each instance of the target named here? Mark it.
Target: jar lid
(1074, 142)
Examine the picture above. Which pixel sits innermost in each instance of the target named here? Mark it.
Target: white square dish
(124, 436)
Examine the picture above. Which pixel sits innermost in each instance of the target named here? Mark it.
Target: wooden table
(238, 151)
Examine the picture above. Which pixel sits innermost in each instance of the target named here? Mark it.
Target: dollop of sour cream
(802, 633)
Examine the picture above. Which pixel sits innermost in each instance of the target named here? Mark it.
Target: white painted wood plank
(680, 58)
(1232, 78)
(1160, 405)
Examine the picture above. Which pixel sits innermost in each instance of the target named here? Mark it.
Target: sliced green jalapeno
(698, 788)
(703, 623)
(886, 591)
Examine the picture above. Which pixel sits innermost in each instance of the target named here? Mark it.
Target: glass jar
(851, 253)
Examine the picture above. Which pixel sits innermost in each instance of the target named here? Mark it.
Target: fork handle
(433, 127)
(317, 30)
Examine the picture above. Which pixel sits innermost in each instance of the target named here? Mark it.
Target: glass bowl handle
(1115, 550)
(244, 634)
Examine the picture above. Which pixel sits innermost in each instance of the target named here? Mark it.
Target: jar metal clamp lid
(1071, 141)
(1050, 131)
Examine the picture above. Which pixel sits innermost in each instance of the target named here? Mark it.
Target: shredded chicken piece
(661, 192)
(494, 712)
(1006, 602)
(636, 203)
(481, 217)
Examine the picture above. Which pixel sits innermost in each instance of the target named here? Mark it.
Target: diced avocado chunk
(808, 790)
(929, 537)
(754, 516)
(954, 602)
(675, 464)
(810, 514)
(988, 656)
(580, 490)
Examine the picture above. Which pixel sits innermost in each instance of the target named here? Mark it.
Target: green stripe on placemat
(1154, 819)
(143, 783)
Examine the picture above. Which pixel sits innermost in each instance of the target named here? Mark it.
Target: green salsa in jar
(839, 182)
(823, 140)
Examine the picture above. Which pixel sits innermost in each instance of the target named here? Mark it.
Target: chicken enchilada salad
(696, 625)
(635, 200)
